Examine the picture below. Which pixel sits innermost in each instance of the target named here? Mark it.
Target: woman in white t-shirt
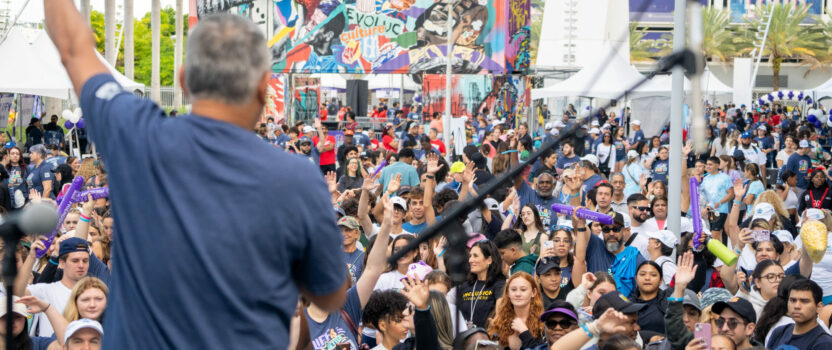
(785, 153)
(606, 152)
(393, 278)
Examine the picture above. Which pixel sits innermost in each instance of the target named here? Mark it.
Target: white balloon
(74, 118)
(78, 112)
(66, 114)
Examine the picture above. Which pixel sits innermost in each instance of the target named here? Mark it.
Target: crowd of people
(211, 259)
(540, 279)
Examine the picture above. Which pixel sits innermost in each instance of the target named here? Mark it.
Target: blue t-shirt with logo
(334, 329)
(232, 266)
(714, 187)
(799, 165)
(660, 170)
(355, 263)
(527, 194)
(38, 175)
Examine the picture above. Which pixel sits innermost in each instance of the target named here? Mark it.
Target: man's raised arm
(74, 40)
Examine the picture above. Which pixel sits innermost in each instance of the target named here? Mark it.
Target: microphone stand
(450, 225)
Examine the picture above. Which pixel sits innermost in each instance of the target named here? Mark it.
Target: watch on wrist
(581, 229)
(429, 176)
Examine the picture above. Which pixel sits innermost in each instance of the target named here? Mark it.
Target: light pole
(449, 49)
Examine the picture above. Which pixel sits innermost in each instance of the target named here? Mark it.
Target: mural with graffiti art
(275, 99)
(306, 100)
(469, 95)
(393, 36)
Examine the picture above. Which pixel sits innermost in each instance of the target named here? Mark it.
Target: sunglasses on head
(563, 323)
(607, 229)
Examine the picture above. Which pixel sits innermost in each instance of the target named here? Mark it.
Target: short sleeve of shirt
(353, 305)
(321, 272)
(109, 108)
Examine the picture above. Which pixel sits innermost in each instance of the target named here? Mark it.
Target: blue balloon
(790, 95)
(770, 97)
(68, 124)
(780, 94)
(809, 100)
(812, 118)
(80, 124)
(818, 124)
(761, 102)
(800, 96)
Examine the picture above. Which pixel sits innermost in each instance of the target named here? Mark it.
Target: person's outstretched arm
(427, 336)
(35, 305)
(74, 40)
(376, 257)
(677, 333)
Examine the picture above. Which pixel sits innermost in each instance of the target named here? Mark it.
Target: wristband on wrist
(586, 330)
(85, 216)
(83, 219)
(737, 202)
(425, 309)
(672, 299)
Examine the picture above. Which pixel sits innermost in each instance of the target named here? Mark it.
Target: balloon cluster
(784, 95)
(73, 118)
(814, 120)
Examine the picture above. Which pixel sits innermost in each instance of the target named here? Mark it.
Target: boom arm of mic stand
(472, 203)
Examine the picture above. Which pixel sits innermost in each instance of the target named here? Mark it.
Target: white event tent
(35, 67)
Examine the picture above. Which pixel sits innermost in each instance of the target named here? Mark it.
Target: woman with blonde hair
(87, 300)
(441, 313)
(87, 169)
(516, 323)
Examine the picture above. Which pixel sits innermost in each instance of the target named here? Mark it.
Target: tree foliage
(142, 45)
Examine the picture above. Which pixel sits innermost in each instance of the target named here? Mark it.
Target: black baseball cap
(617, 219)
(617, 301)
(547, 263)
(740, 306)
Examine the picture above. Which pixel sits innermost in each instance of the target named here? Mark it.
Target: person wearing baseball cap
(354, 256)
(683, 305)
(77, 262)
(638, 134)
(20, 328)
(749, 153)
(548, 274)
(661, 245)
(736, 320)
(83, 334)
(305, 149)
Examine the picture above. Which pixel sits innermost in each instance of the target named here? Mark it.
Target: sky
(34, 10)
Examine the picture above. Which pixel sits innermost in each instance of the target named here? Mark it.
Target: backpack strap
(350, 323)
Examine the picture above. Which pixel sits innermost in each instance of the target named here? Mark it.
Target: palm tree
(719, 38)
(177, 56)
(788, 37)
(128, 39)
(823, 57)
(155, 27)
(640, 50)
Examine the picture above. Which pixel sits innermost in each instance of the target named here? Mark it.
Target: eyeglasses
(607, 229)
(642, 208)
(774, 277)
(561, 228)
(732, 322)
(564, 323)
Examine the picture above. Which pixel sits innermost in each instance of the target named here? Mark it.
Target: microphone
(36, 219)
(694, 10)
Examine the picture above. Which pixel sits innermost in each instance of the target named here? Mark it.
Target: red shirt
(439, 145)
(327, 157)
(386, 142)
(324, 114)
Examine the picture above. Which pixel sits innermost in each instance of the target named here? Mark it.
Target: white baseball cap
(549, 125)
(591, 158)
(804, 144)
(761, 127)
(632, 154)
(594, 131)
(308, 129)
(399, 201)
(784, 236)
(763, 211)
(666, 237)
(17, 307)
(80, 324)
(636, 122)
(595, 123)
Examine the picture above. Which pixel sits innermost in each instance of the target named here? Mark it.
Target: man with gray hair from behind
(205, 258)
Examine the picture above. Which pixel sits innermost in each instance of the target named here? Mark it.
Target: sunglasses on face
(732, 322)
(607, 229)
(564, 324)
(642, 208)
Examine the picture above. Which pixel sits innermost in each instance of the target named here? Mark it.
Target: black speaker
(358, 96)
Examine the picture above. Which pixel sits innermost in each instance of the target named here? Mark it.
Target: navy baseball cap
(72, 245)
(617, 301)
(739, 305)
(304, 139)
(746, 134)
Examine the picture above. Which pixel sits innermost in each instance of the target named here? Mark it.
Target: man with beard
(750, 153)
(639, 212)
(542, 196)
(568, 158)
(610, 253)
